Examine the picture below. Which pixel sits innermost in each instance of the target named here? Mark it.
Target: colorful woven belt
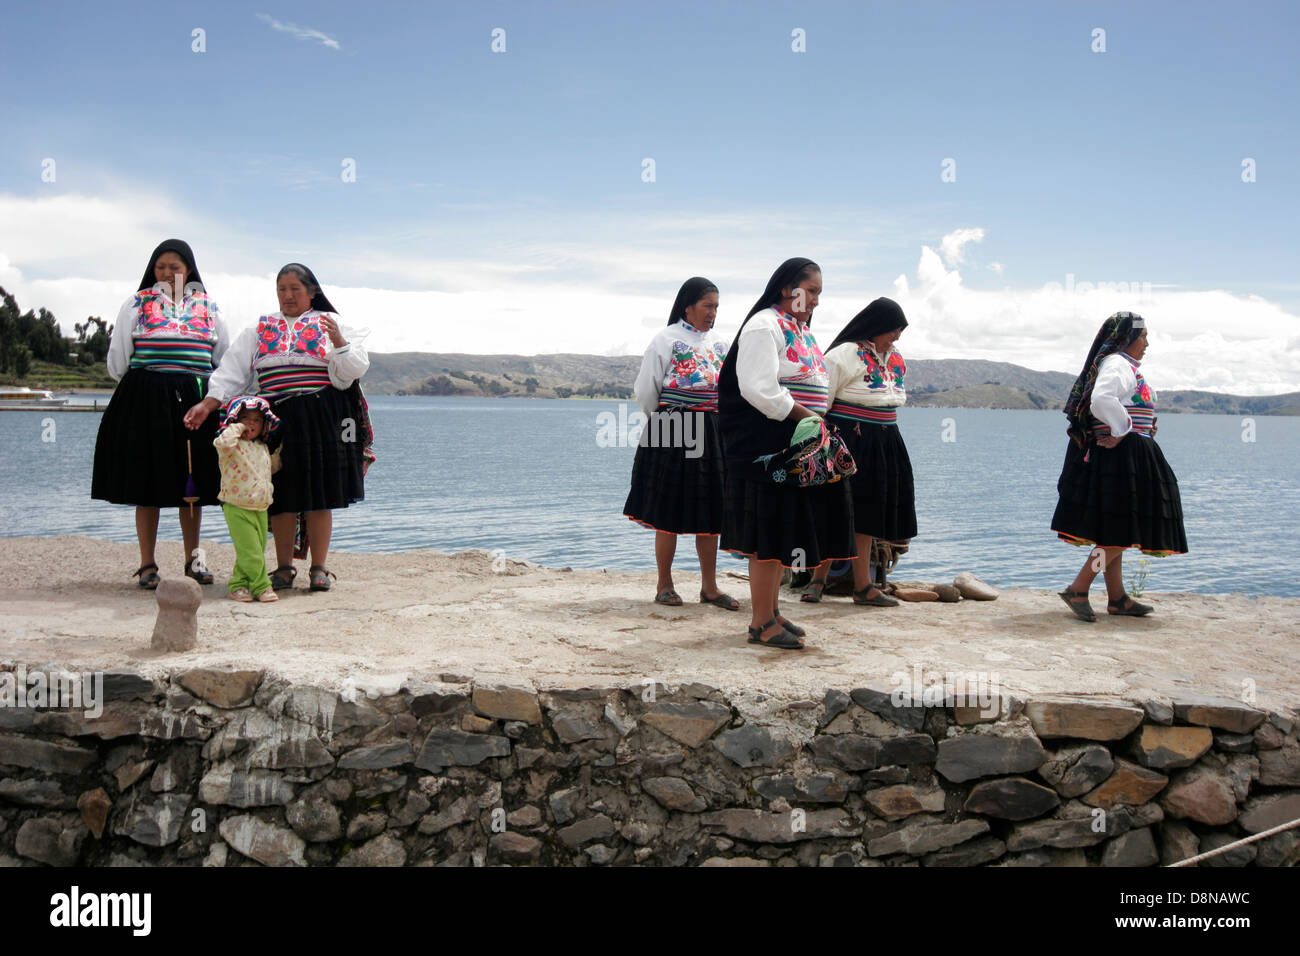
(282, 380)
(1143, 420)
(811, 397)
(862, 413)
(167, 354)
(698, 400)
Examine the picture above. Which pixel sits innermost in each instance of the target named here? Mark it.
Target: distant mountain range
(939, 383)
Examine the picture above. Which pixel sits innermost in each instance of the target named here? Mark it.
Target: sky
(1005, 171)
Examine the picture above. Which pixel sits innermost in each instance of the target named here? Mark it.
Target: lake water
(531, 478)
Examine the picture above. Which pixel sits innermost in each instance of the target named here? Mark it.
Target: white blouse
(774, 348)
(877, 383)
(1113, 390)
(195, 311)
(277, 341)
(679, 356)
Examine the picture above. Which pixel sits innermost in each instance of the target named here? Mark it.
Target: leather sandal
(282, 577)
(782, 639)
(320, 577)
(1134, 609)
(724, 601)
(812, 592)
(669, 598)
(148, 578)
(880, 600)
(203, 577)
(790, 626)
(1082, 609)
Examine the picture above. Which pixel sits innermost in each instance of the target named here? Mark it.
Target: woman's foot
(725, 601)
(790, 626)
(241, 594)
(773, 634)
(282, 577)
(148, 575)
(669, 597)
(812, 592)
(320, 577)
(203, 575)
(879, 599)
(1078, 601)
(1126, 605)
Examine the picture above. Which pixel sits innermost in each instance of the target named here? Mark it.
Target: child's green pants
(248, 532)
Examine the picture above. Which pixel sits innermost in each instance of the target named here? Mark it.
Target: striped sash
(282, 380)
(1142, 419)
(160, 353)
(811, 397)
(695, 399)
(863, 413)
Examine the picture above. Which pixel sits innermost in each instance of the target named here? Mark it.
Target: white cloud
(952, 246)
(80, 256)
(302, 33)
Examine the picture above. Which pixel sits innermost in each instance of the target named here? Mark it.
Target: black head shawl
(692, 291)
(182, 249)
(786, 276)
(1115, 335)
(318, 300)
(881, 316)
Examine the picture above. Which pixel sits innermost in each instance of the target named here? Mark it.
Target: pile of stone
(240, 768)
(964, 586)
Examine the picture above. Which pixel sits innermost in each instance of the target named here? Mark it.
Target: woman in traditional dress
(772, 393)
(866, 391)
(1116, 489)
(677, 474)
(166, 341)
(307, 364)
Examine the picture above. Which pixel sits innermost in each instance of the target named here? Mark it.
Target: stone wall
(222, 768)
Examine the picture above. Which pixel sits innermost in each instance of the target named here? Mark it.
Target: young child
(246, 469)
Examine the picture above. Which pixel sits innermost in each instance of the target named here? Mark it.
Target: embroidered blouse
(246, 469)
(1121, 399)
(152, 331)
(681, 359)
(297, 349)
(858, 376)
(778, 362)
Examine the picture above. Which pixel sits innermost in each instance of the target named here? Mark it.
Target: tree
(530, 385)
(563, 391)
(22, 357)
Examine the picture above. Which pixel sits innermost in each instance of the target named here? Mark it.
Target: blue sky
(494, 190)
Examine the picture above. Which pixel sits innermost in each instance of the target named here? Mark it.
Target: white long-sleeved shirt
(196, 317)
(858, 376)
(246, 469)
(277, 341)
(774, 348)
(679, 356)
(1114, 390)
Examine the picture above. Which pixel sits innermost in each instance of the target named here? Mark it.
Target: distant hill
(937, 383)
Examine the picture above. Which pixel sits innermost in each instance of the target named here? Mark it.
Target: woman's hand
(331, 326)
(199, 413)
(1109, 441)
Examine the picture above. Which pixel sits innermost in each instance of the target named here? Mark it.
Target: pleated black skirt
(884, 497)
(320, 440)
(140, 448)
(800, 527)
(1122, 497)
(677, 486)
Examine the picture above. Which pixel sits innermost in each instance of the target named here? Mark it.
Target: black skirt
(671, 490)
(1122, 497)
(800, 527)
(320, 438)
(884, 498)
(140, 449)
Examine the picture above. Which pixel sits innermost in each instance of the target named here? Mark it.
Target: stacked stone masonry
(240, 768)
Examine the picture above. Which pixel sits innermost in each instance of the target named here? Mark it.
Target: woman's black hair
(788, 275)
(881, 316)
(692, 291)
(182, 249)
(318, 300)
